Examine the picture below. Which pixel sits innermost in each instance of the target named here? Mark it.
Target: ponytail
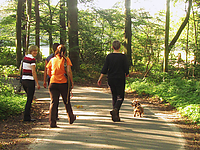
(60, 50)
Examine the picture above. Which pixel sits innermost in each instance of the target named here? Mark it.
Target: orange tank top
(56, 69)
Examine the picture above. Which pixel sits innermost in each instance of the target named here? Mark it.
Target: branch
(181, 27)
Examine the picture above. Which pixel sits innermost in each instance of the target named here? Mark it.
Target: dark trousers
(48, 81)
(29, 88)
(117, 87)
(57, 89)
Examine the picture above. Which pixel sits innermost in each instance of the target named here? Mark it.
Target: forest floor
(13, 131)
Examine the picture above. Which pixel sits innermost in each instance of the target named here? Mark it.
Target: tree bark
(195, 34)
(24, 28)
(37, 29)
(18, 33)
(73, 34)
(28, 8)
(172, 43)
(181, 27)
(128, 32)
(62, 23)
(166, 52)
(50, 30)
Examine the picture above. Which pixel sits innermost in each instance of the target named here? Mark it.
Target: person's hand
(72, 86)
(38, 86)
(45, 85)
(99, 82)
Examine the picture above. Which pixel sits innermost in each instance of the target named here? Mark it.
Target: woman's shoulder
(29, 57)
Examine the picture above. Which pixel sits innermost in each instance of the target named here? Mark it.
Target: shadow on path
(94, 128)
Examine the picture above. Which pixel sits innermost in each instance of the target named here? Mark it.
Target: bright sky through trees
(153, 6)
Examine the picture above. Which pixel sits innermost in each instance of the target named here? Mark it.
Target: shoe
(55, 126)
(72, 120)
(114, 114)
(31, 120)
(117, 120)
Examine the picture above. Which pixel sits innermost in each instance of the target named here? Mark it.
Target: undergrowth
(10, 103)
(183, 94)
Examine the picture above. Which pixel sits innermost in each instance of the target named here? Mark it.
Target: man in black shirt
(116, 66)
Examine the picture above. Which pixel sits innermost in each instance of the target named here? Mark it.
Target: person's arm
(35, 76)
(69, 70)
(99, 81)
(126, 67)
(45, 75)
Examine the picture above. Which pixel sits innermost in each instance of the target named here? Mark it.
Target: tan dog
(138, 109)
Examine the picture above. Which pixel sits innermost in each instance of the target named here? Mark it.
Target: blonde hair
(32, 48)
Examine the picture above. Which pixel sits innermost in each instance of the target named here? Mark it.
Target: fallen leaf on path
(23, 135)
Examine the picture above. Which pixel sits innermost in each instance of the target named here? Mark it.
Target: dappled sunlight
(88, 145)
(94, 129)
(44, 99)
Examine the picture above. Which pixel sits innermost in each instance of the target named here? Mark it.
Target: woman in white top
(29, 77)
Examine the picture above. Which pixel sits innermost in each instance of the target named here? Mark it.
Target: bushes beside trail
(183, 94)
(10, 103)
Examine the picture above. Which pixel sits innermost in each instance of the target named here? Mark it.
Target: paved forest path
(95, 130)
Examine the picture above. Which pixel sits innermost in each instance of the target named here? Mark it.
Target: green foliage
(7, 30)
(7, 56)
(180, 93)
(191, 111)
(40, 66)
(8, 70)
(10, 103)
(87, 73)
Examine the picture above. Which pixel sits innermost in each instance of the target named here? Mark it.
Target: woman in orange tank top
(59, 84)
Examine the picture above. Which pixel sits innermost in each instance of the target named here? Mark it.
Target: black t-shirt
(116, 66)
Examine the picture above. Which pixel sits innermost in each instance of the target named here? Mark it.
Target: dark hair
(55, 45)
(60, 50)
(116, 45)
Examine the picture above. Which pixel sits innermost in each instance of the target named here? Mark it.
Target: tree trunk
(73, 34)
(18, 32)
(166, 52)
(28, 9)
(128, 34)
(181, 27)
(37, 29)
(195, 34)
(172, 43)
(24, 28)
(62, 23)
(50, 30)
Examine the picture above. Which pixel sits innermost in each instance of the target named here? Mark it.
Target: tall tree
(73, 34)
(166, 52)
(172, 43)
(50, 29)
(62, 23)
(184, 23)
(28, 9)
(128, 34)
(24, 28)
(195, 34)
(18, 32)
(37, 28)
